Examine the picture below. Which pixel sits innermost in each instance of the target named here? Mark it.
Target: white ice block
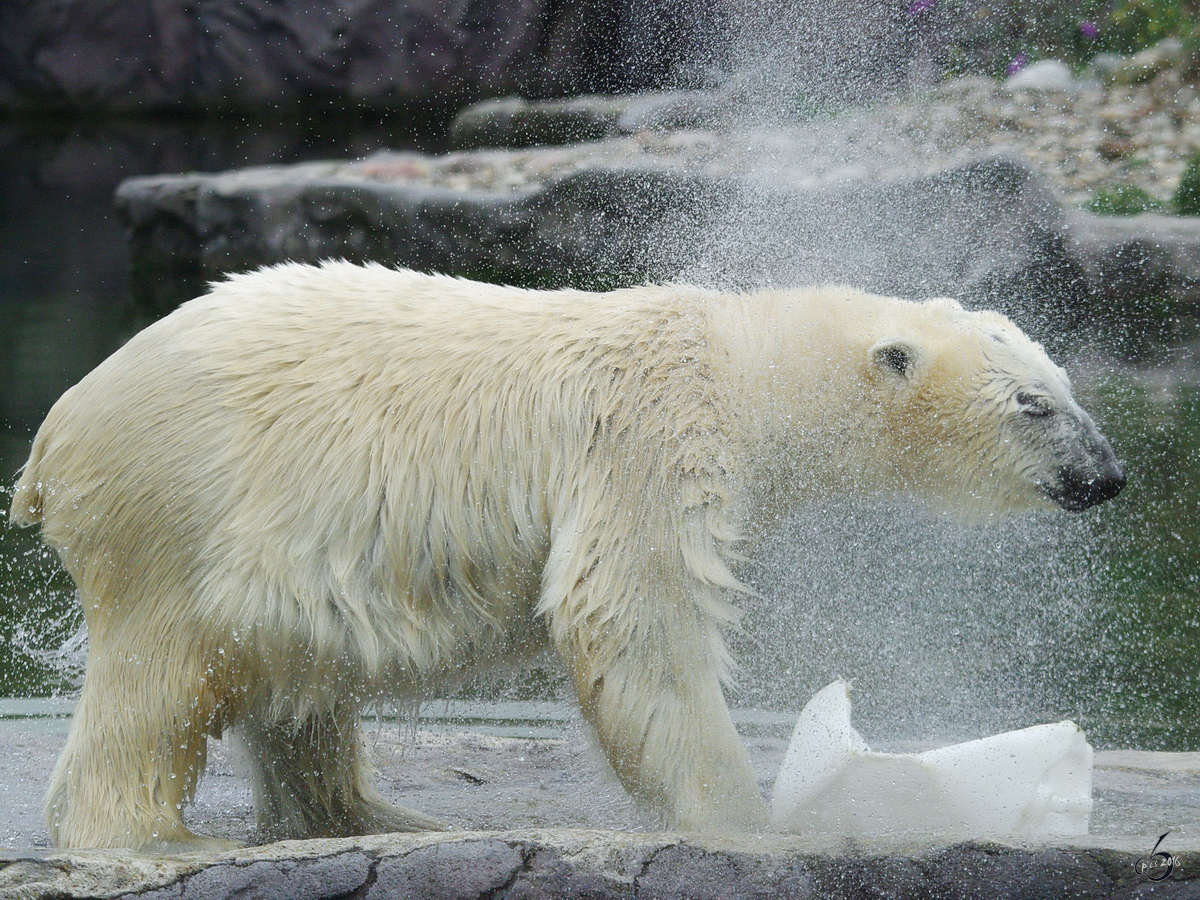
(1036, 781)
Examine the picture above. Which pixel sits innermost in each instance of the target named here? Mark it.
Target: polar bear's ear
(895, 357)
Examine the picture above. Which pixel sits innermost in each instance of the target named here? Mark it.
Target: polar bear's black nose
(1077, 493)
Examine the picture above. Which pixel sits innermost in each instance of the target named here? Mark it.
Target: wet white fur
(321, 485)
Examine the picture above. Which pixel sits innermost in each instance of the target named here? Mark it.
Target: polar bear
(315, 487)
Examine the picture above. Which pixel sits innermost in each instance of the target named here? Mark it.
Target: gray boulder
(1129, 258)
(987, 231)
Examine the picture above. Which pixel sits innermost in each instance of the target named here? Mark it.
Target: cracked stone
(447, 871)
(281, 879)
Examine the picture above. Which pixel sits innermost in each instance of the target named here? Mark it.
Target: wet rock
(93, 874)
(1127, 258)
(701, 874)
(1154, 127)
(989, 229)
(1146, 64)
(286, 879)
(981, 871)
(1139, 795)
(514, 122)
(1104, 67)
(451, 870)
(896, 197)
(600, 865)
(549, 875)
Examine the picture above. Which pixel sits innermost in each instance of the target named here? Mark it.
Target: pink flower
(919, 6)
(1089, 29)
(1017, 64)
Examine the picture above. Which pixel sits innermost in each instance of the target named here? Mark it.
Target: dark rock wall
(152, 55)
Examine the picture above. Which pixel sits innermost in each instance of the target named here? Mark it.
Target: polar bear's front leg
(672, 746)
(645, 659)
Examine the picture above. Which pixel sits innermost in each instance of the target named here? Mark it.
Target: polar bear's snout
(1076, 494)
(1090, 472)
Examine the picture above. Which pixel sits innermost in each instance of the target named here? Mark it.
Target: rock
(1104, 67)
(514, 122)
(981, 871)
(988, 230)
(1046, 75)
(149, 55)
(454, 870)
(700, 874)
(283, 879)
(1128, 258)
(520, 857)
(601, 865)
(1144, 65)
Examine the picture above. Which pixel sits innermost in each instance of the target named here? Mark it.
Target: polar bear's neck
(791, 362)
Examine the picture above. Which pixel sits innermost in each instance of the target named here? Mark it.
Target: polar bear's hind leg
(137, 745)
(312, 778)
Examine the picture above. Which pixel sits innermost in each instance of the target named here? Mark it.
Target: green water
(38, 616)
(1139, 679)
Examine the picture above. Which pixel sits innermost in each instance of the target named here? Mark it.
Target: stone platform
(536, 815)
(600, 864)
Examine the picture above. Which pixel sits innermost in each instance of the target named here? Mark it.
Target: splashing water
(46, 640)
(947, 631)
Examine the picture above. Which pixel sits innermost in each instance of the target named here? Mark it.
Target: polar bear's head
(974, 413)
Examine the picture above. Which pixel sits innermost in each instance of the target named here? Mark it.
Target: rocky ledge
(599, 865)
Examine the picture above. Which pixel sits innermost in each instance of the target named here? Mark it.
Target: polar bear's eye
(1033, 405)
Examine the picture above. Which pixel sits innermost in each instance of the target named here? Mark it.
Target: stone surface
(1144, 65)
(1131, 257)
(1046, 75)
(285, 879)
(954, 190)
(1095, 135)
(453, 870)
(625, 211)
(488, 784)
(515, 122)
(493, 767)
(593, 864)
(145, 55)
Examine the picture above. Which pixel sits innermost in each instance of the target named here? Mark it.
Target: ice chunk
(1036, 781)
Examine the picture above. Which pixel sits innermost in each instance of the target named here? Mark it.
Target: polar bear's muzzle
(1075, 493)
(1089, 472)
